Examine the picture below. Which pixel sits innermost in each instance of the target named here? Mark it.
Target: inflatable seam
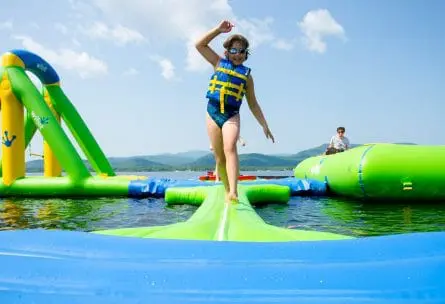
(360, 170)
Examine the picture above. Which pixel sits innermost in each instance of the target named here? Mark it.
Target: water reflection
(357, 218)
(88, 214)
(350, 217)
(379, 218)
(13, 216)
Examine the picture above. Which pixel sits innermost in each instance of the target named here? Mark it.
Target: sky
(130, 68)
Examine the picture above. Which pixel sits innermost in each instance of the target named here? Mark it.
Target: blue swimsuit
(220, 118)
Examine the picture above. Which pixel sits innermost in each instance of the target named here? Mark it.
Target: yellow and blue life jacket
(228, 84)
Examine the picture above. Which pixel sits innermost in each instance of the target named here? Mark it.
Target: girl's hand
(225, 26)
(268, 134)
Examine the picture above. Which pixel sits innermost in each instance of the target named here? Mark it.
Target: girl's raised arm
(202, 45)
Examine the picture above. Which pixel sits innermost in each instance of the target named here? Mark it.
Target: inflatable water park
(224, 252)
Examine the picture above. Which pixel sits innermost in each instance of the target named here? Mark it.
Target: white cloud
(61, 28)
(317, 25)
(168, 18)
(168, 70)
(167, 22)
(130, 72)
(6, 25)
(172, 20)
(194, 61)
(257, 31)
(282, 44)
(81, 62)
(119, 34)
(167, 67)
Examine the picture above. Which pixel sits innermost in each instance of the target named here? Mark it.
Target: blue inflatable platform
(156, 187)
(44, 267)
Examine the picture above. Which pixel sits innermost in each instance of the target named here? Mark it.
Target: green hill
(176, 159)
(138, 163)
(200, 160)
(248, 161)
(159, 162)
(128, 164)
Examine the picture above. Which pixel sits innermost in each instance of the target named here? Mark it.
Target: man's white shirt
(339, 143)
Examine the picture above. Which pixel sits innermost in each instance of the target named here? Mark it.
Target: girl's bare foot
(232, 198)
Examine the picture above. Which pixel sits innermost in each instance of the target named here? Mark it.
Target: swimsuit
(227, 88)
(219, 118)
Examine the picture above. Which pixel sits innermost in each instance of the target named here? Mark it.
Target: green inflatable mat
(219, 221)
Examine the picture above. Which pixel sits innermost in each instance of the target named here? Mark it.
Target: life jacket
(228, 84)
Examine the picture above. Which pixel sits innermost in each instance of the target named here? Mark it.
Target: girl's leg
(216, 174)
(215, 136)
(230, 132)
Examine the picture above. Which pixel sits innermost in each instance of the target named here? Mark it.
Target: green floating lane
(219, 221)
(39, 186)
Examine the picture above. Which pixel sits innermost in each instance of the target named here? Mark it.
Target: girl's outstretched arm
(202, 45)
(256, 109)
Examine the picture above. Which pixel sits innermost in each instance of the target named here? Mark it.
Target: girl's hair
(237, 37)
(231, 39)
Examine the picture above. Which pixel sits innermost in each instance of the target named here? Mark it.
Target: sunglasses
(340, 131)
(234, 51)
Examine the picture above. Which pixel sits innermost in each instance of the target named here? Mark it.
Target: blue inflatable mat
(76, 267)
(156, 187)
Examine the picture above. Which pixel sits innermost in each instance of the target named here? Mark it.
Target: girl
(228, 85)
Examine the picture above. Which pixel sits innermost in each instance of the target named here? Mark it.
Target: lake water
(339, 215)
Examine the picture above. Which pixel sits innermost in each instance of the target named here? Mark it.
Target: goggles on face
(234, 51)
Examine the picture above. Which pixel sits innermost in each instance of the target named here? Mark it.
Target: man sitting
(338, 143)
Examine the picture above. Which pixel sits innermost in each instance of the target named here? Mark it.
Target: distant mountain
(137, 163)
(197, 160)
(200, 160)
(264, 161)
(34, 165)
(204, 161)
(176, 159)
(247, 160)
(309, 152)
(192, 154)
(134, 163)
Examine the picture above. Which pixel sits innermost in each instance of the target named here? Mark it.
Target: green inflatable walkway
(219, 221)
